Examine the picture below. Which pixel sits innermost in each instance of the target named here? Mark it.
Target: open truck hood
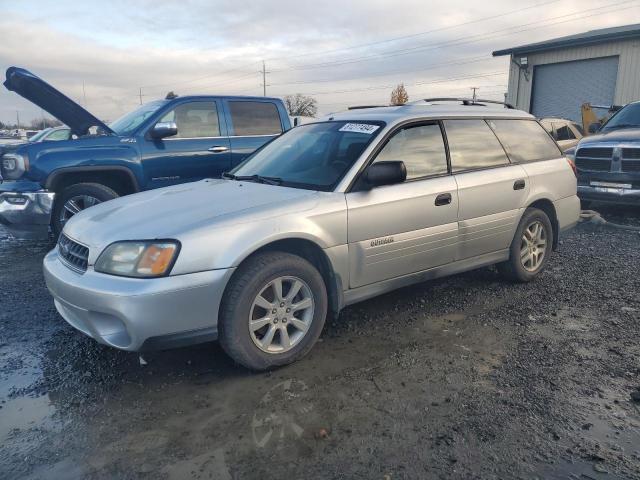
(40, 93)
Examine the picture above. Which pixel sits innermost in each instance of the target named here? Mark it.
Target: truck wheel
(273, 311)
(76, 198)
(530, 248)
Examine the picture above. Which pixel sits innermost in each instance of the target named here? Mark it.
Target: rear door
(491, 190)
(400, 229)
(200, 150)
(252, 123)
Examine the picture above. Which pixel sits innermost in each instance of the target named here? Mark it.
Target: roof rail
(360, 107)
(470, 101)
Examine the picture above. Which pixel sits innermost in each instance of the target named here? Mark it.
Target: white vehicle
(326, 215)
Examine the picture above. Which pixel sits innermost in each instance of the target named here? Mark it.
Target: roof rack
(470, 101)
(360, 107)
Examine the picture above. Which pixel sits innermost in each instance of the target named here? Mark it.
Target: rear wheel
(273, 311)
(530, 248)
(76, 198)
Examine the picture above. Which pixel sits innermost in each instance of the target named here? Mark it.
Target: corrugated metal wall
(627, 83)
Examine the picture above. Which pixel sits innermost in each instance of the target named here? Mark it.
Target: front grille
(631, 166)
(631, 153)
(592, 159)
(73, 255)
(595, 152)
(593, 164)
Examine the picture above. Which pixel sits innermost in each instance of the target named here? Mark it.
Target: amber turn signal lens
(156, 259)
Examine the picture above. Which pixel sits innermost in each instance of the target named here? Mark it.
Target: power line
(458, 41)
(413, 35)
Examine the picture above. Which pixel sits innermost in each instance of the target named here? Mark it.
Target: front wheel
(273, 311)
(530, 248)
(76, 198)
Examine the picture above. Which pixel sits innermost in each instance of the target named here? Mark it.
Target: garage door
(560, 88)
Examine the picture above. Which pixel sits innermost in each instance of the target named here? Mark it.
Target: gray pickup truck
(608, 162)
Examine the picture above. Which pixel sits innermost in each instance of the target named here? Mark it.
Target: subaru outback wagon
(326, 215)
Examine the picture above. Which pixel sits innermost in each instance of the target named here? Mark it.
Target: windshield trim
(312, 186)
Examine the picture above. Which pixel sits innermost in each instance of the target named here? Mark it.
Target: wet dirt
(464, 377)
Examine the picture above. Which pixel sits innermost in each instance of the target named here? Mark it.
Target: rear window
(525, 140)
(472, 144)
(255, 118)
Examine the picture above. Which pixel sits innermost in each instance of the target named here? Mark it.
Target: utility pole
(264, 79)
(17, 119)
(140, 95)
(84, 94)
(474, 93)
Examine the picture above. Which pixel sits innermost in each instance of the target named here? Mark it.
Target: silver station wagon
(326, 215)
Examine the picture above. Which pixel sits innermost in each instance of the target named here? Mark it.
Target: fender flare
(93, 168)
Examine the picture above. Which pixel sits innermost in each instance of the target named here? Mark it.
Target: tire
(99, 193)
(256, 278)
(515, 269)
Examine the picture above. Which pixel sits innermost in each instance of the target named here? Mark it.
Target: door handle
(518, 185)
(218, 149)
(443, 199)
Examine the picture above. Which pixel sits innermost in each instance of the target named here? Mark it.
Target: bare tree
(399, 95)
(301, 105)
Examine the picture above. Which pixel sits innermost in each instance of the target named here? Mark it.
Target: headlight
(14, 165)
(138, 259)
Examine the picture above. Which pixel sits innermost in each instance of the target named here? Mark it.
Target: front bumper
(25, 213)
(627, 196)
(138, 314)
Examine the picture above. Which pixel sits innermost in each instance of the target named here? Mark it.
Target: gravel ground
(464, 377)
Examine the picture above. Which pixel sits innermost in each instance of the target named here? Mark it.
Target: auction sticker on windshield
(359, 128)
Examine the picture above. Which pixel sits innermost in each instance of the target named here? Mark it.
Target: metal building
(553, 78)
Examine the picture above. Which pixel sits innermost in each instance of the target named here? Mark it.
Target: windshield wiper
(253, 178)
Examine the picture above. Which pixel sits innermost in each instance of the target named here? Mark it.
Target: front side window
(195, 120)
(472, 144)
(255, 118)
(315, 156)
(525, 140)
(421, 148)
(58, 135)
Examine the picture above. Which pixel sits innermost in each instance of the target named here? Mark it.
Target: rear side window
(525, 140)
(472, 144)
(421, 148)
(563, 132)
(255, 118)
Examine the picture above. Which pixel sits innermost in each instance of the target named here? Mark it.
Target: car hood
(622, 135)
(168, 213)
(40, 93)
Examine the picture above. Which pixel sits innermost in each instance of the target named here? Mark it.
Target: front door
(200, 150)
(400, 229)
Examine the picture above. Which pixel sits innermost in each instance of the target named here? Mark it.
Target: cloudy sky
(341, 52)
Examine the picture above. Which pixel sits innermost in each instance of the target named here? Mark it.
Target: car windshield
(628, 117)
(126, 124)
(314, 156)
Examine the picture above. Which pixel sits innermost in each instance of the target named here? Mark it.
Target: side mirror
(164, 129)
(385, 173)
(296, 121)
(594, 127)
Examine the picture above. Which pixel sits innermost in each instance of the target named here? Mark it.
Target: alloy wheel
(75, 205)
(281, 314)
(534, 246)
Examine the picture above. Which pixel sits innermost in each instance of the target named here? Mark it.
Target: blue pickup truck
(161, 143)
